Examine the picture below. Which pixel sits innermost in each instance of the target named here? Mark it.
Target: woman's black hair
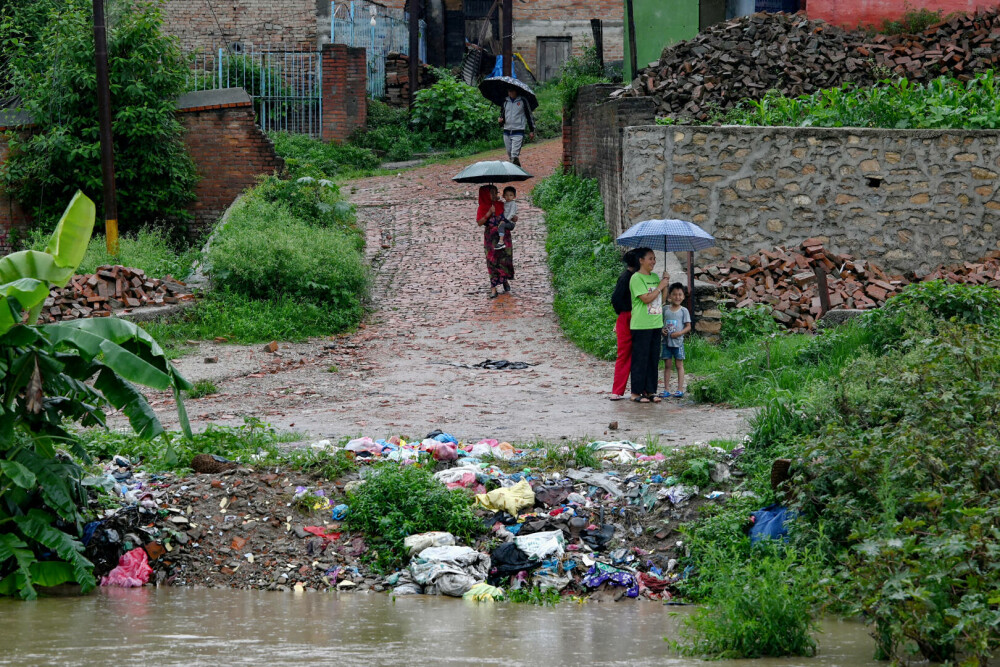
(631, 259)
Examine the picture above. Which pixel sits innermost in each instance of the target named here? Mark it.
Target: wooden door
(552, 53)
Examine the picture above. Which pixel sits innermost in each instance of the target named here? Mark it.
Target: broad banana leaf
(149, 367)
(28, 293)
(69, 241)
(56, 266)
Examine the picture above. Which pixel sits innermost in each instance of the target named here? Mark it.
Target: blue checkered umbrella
(667, 236)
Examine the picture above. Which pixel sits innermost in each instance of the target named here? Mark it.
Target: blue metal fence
(285, 84)
(379, 30)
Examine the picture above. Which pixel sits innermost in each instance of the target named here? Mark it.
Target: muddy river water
(158, 627)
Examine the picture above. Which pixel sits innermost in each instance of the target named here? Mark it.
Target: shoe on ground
(516, 161)
(678, 394)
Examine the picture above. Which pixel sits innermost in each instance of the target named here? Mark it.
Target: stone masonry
(909, 200)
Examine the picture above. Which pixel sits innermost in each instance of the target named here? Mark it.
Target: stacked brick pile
(397, 79)
(110, 288)
(746, 57)
(786, 281)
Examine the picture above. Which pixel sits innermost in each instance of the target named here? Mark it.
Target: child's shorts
(671, 352)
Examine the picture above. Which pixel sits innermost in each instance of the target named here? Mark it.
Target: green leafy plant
(397, 501)
(203, 388)
(305, 156)
(54, 76)
(912, 22)
(577, 72)
(742, 324)
(454, 113)
(533, 595)
(51, 376)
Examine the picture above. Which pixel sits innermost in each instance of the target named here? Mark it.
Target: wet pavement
(408, 369)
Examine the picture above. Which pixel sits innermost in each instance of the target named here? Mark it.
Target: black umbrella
(491, 171)
(495, 90)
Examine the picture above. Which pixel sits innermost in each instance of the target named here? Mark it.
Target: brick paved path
(405, 371)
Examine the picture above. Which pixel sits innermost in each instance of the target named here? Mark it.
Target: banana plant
(51, 376)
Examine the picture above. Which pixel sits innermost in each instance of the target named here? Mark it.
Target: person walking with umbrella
(488, 216)
(646, 289)
(516, 118)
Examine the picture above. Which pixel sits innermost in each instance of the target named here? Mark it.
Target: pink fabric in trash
(443, 451)
(468, 479)
(656, 457)
(133, 570)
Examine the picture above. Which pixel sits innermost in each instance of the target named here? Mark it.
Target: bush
(548, 115)
(742, 324)
(454, 113)
(579, 71)
(760, 607)
(314, 201)
(55, 78)
(584, 261)
(265, 252)
(305, 156)
(913, 21)
(397, 501)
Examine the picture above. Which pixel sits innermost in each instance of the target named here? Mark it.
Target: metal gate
(286, 85)
(379, 30)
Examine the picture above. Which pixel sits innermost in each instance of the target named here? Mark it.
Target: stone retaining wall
(909, 200)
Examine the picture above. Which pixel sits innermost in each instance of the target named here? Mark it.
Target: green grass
(149, 250)
(584, 262)
(244, 320)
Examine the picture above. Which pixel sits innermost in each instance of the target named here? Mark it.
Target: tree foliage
(51, 68)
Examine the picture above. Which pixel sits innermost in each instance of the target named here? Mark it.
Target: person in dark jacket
(621, 301)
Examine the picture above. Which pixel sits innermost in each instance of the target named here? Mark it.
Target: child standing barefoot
(676, 323)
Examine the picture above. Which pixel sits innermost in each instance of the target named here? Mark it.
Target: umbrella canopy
(491, 171)
(495, 90)
(667, 236)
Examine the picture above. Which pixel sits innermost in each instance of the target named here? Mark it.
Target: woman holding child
(496, 235)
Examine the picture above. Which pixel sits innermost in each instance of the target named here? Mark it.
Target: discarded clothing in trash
(501, 365)
(597, 479)
(511, 499)
(449, 570)
(548, 576)
(319, 531)
(509, 559)
(654, 583)
(769, 523)
(598, 538)
(417, 543)
(539, 546)
(133, 570)
(551, 495)
(600, 573)
(678, 493)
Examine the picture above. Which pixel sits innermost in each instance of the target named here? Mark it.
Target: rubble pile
(110, 288)
(397, 79)
(745, 57)
(607, 532)
(786, 280)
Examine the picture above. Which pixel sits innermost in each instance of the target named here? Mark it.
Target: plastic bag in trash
(441, 451)
(511, 499)
(416, 543)
(133, 570)
(548, 576)
(769, 523)
(365, 444)
(542, 545)
(451, 570)
(340, 512)
(483, 593)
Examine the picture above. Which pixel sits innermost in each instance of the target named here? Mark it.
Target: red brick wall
(345, 104)
(583, 149)
(229, 151)
(852, 13)
(12, 217)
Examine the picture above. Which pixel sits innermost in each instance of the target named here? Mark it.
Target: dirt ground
(408, 371)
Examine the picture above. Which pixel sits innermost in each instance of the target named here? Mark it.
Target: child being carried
(509, 217)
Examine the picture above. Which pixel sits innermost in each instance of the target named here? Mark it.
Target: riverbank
(287, 525)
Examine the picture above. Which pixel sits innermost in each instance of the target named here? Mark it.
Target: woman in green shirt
(647, 322)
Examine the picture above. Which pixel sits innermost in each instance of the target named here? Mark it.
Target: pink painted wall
(851, 13)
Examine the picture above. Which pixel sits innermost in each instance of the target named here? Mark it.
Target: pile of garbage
(745, 57)
(607, 531)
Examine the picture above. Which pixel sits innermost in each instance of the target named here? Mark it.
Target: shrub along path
(406, 371)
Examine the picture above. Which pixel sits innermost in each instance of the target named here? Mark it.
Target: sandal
(616, 397)
(655, 399)
(678, 394)
(494, 294)
(639, 399)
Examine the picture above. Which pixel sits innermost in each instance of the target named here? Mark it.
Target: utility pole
(507, 29)
(632, 57)
(104, 116)
(414, 49)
